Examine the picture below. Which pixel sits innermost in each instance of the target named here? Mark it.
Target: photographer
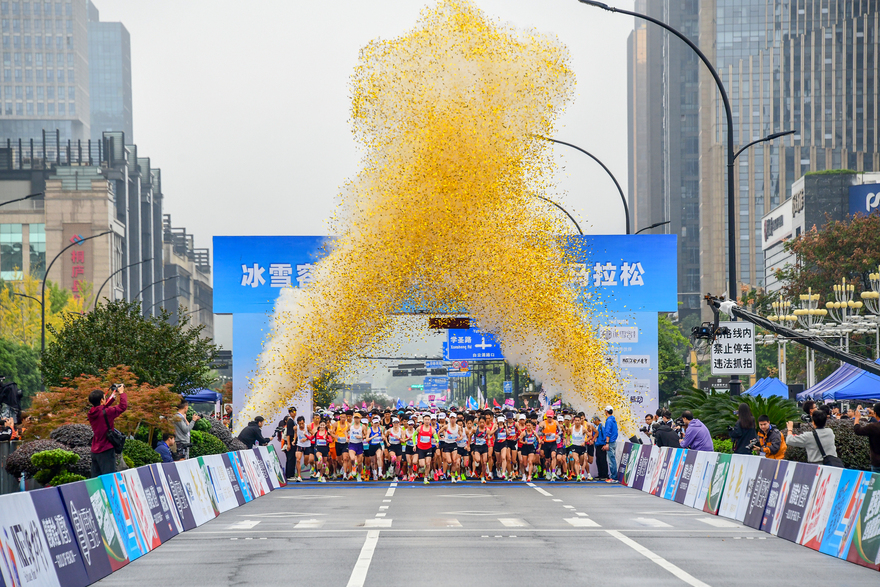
(252, 434)
(664, 435)
(646, 432)
(102, 416)
(809, 441)
(696, 435)
(167, 447)
(7, 430)
(871, 429)
(182, 428)
(743, 435)
(770, 440)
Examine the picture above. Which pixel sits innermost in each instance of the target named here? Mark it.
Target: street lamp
(781, 314)
(810, 317)
(570, 217)
(75, 243)
(844, 310)
(608, 171)
(655, 225)
(735, 386)
(106, 281)
(152, 284)
(872, 303)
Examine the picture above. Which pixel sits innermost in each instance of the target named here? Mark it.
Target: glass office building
(109, 77)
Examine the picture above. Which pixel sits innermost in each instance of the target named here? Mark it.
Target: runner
(373, 451)
(529, 458)
(451, 433)
(579, 446)
(502, 449)
(322, 450)
(425, 447)
(547, 432)
(303, 446)
(356, 434)
(394, 438)
(412, 459)
(480, 449)
(340, 432)
(512, 447)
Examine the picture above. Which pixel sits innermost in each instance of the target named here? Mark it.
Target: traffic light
(449, 322)
(399, 373)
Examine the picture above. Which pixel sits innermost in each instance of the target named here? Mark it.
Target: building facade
(109, 77)
(187, 286)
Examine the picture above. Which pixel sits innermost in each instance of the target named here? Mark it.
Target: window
(50, 75)
(71, 109)
(60, 76)
(30, 108)
(71, 93)
(29, 92)
(50, 109)
(60, 108)
(37, 247)
(38, 42)
(17, 75)
(7, 75)
(37, 10)
(70, 76)
(19, 109)
(39, 76)
(38, 59)
(40, 108)
(19, 93)
(50, 92)
(16, 8)
(8, 111)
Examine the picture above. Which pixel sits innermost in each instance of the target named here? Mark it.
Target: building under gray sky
(109, 77)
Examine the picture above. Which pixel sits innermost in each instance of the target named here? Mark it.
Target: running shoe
(483, 479)
(359, 480)
(436, 475)
(298, 479)
(589, 477)
(529, 480)
(322, 479)
(454, 480)
(463, 478)
(426, 481)
(552, 477)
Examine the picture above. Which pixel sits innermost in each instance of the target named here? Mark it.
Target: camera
(181, 445)
(753, 443)
(729, 429)
(114, 387)
(806, 418)
(679, 422)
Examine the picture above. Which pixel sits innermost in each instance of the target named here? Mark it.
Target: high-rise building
(808, 66)
(45, 69)
(663, 138)
(109, 77)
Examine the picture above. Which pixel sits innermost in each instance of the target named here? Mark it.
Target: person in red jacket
(103, 455)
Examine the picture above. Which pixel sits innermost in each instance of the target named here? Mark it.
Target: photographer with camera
(102, 416)
(182, 428)
(696, 435)
(167, 447)
(252, 433)
(646, 432)
(664, 435)
(770, 440)
(819, 444)
(7, 430)
(743, 434)
(871, 429)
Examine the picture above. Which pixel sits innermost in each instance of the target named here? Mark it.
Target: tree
(117, 333)
(324, 388)
(20, 363)
(20, 317)
(148, 405)
(671, 352)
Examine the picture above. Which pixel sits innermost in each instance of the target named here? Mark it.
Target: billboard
(777, 225)
(864, 198)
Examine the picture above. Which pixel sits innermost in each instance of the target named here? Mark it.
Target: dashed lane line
(718, 522)
(651, 522)
(657, 559)
(582, 523)
(540, 490)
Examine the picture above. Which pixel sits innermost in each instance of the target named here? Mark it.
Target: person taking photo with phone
(102, 416)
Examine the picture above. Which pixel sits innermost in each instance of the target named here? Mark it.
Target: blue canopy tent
(847, 383)
(203, 396)
(769, 387)
(841, 375)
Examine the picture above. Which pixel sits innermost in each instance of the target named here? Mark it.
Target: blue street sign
(459, 374)
(433, 364)
(473, 345)
(508, 387)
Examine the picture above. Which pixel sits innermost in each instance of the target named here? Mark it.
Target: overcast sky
(244, 105)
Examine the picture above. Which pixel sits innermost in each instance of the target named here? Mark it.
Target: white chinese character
(63, 534)
(604, 274)
(252, 276)
(632, 274)
(279, 274)
(580, 275)
(51, 532)
(467, 339)
(304, 274)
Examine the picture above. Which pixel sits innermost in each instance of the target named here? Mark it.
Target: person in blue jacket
(610, 447)
(167, 447)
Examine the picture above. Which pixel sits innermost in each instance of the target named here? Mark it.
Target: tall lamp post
(735, 386)
(106, 281)
(151, 285)
(43, 287)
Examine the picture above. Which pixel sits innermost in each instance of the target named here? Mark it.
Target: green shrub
(724, 446)
(20, 460)
(73, 435)
(202, 425)
(128, 462)
(65, 477)
(53, 465)
(853, 450)
(140, 453)
(717, 409)
(205, 444)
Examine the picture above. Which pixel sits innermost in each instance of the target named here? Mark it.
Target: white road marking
(651, 522)
(446, 523)
(559, 500)
(513, 522)
(659, 560)
(386, 501)
(580, 514)
(571, 507)
(243, 525)
(383, 507)
(381, 515)
(309, 524)
(359, 572)
(377, 523)
(718, 522)
(394, 484)
(539, 490)
(582, 523)
(390, 492)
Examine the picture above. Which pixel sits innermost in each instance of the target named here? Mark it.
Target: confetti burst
(444, 213)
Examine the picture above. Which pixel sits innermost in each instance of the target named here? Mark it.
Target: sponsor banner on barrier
(703, 482)
(624, 462)
(60, 536)
(179, 494)
(224, 494)
(233, 478)
(94, 548)
(819, 508)
(632, 465)
(201, 499)
(642, 467)
(676, 467)
(166, 500)
(865, 539)
(266, 468)
(845, 509)
(652, 468)
(803, 485)
(778, 495)
(276, 466)
(141, 509)
(256, 472)
(687, 475)
(166, 529)
(241, 475)
(716, 486)
(760, 492)
(111, 531)
(658, 479)
(27, 560)
(114, 485)
(738, 487)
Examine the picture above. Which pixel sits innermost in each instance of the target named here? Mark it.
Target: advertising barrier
(835, 511)
(96, 545)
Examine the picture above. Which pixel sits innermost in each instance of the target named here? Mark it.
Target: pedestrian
(696, 435)
(102, 417)
(227, 417)
(809, 442)
(182, 429)
(166, 447)
(601, 454)
(252, 435)
(744, 435)
(664, 435)
(7, 430)
(610, 447)
(770, 440)
(871, 429)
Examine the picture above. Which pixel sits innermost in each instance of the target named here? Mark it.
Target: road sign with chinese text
(734, 353)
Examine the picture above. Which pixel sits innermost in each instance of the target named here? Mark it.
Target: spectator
(664, 435)
(696, 435)
(7, 430)
(808, 441)
(871, 429)
(601, 460)
(182, 428)
(252, 434)
(744, 435)
(770, 440)
(167, 447)
(227, 416)
(611, 443)
(646, 432)
(102, 416)
(809, 407)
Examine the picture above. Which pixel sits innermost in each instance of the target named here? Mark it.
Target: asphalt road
(374, 534)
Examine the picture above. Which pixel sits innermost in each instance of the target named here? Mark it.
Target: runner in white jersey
(394, 438)
(579, 446)
(303, 446)
(450, 435)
